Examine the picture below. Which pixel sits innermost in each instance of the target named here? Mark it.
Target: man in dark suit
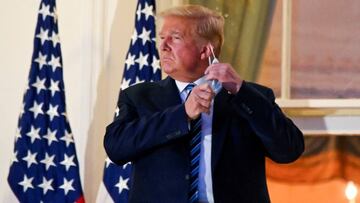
(158, 123)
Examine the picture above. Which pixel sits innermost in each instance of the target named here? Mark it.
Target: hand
(199, 101)
(226, 75)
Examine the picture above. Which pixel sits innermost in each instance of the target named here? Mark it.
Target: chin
(167, 69)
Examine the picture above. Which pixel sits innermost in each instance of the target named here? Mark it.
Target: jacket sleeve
(282, 140)
(132, 135)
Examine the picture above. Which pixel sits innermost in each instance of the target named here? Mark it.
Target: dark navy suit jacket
(152, 130)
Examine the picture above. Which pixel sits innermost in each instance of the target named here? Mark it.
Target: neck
(189, 76)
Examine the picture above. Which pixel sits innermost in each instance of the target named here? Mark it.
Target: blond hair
(209, 24)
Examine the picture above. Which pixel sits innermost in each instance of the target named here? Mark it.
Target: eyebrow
(173, 32)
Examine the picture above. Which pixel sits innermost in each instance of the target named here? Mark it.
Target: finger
(205, 91)
(211, 76)
(191, 108)
(201, 97)
(205, 87)
(204, 103)
(205, 95)
(201, 109)
(212, 67)
(214, 74)
(198, 105)
(207, 69)
(205, 109)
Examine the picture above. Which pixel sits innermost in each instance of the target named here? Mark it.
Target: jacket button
(187, 177)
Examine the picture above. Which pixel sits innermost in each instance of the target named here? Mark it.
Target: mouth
(166, 59)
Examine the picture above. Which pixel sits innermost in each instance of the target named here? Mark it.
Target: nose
(164, 44)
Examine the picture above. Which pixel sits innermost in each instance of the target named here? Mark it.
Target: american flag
(142, 64)
(44, 165)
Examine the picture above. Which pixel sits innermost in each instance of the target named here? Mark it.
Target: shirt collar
(181, 85)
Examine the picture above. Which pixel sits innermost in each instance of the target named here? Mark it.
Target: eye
(177, 37)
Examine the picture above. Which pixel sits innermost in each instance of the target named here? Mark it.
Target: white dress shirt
(205, 179)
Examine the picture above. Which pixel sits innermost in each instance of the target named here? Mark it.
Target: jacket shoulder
(142, 87)
(258, 87)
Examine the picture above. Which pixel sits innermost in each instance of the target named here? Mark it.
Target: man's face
(180, 49)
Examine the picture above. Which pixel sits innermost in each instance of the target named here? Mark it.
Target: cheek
(183, 55)
(189, 56)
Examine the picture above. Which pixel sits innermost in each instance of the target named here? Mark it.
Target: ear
(205, 52)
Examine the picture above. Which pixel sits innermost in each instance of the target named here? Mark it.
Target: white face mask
(215, 84)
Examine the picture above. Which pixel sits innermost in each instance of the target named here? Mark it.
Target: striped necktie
(195, 146)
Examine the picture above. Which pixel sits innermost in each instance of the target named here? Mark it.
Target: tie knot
(188, 89)
(190, 86)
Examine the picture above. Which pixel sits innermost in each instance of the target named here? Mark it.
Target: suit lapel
(169, 94)
(220, 123)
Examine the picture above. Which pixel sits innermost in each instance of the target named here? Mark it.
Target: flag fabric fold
(44, 165)
(141, 65)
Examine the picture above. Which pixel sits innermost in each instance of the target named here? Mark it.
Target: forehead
(174, 24)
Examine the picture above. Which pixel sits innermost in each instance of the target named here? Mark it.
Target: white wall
(14, 44)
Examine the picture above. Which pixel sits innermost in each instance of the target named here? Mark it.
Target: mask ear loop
(215, 60)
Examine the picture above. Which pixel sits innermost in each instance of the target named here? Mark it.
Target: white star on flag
(26, 183)
(36, 109)
(134, 37)
(130, 60)
(18, 134)
(54, 15)
(125, 83)
(44, 11)
(41, 60)
(107, 162)
(68, 138)
(46, 185)
(54, 62)
(54, 87)
(22, 111)
(142, 60)
(122, 184)
(55, 38)
(125, 165)
(138, 81)
(48, 161)
(43, 35)
(50, 136)
(52, 112)
(30, 158)
(68, 162)
(117, 111)
(145, 35)
(34, 134)
(138, 13)
(67, 186)
(155, 64)
(14, 157)
(148, 11)
(39, 85)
